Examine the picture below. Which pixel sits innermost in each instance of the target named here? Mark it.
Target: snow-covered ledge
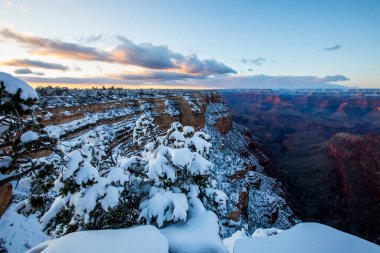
(306, 238)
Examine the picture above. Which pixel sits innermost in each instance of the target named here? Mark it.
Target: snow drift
(141, 239)
(307, 237)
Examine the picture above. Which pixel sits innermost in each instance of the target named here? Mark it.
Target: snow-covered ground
(140, 239)
(90, 119)
(198, 234)
(19, 233)
(306, 238)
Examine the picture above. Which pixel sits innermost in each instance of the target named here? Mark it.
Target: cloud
(49, 47)
(93, 38)
(333, 48)
(12, 5)
(27, 71)
(256, 61)
(127, 52)
(227, 82)
(34, 63)
(334, 78)
(158, 76)
(273, 82)
(72, 80)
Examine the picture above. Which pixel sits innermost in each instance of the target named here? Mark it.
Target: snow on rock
(170, 108)
(141, 239)
(200, 233)
(307, 237)
(264, 232)
(255, 199)
(29, 136)
(230, 241)
(12, 84)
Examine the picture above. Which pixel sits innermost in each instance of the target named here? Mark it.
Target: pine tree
(145, 130)
(21, 134)
(93, 192)
(178, 167)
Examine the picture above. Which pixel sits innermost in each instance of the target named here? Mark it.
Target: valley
(325, 147)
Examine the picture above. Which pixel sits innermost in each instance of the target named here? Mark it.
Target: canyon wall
(332, 175)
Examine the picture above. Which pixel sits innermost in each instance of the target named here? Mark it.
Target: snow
(12, 84)
(199, 234)
(164, 206)
(181, 157)
(307, 237)
(264, 232)
(230, 241)
(141, 239)
(28, 136)
(20, 232)
(218, 197)
(158, 166)
(5, 161)
(88, 120)
(170, 108)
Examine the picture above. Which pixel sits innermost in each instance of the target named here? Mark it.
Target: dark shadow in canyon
(326, 150)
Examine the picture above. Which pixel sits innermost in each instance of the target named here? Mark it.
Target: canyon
(325, 148)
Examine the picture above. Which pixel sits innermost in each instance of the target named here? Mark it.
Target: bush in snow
(21, 134)
(178, 169)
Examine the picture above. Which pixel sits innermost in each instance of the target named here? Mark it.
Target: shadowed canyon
(326, 149)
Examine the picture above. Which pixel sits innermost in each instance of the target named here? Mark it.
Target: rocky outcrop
(255, 199)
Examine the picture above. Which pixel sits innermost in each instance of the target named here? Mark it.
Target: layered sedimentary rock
(330, 175)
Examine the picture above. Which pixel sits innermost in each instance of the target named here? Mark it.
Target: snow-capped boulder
(12, 84)
(29, 136)
(307, 237)
(141, 239)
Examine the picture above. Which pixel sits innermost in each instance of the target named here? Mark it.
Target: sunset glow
(256, 44)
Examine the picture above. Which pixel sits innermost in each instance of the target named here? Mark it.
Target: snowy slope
(141, 239)
(307, 238)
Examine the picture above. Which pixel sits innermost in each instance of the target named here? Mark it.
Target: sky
(192, 44)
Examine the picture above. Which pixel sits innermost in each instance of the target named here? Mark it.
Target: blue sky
(228, 44)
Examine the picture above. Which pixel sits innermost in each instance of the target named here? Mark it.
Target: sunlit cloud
(27, 71)
(26, 63)
(145, 55)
